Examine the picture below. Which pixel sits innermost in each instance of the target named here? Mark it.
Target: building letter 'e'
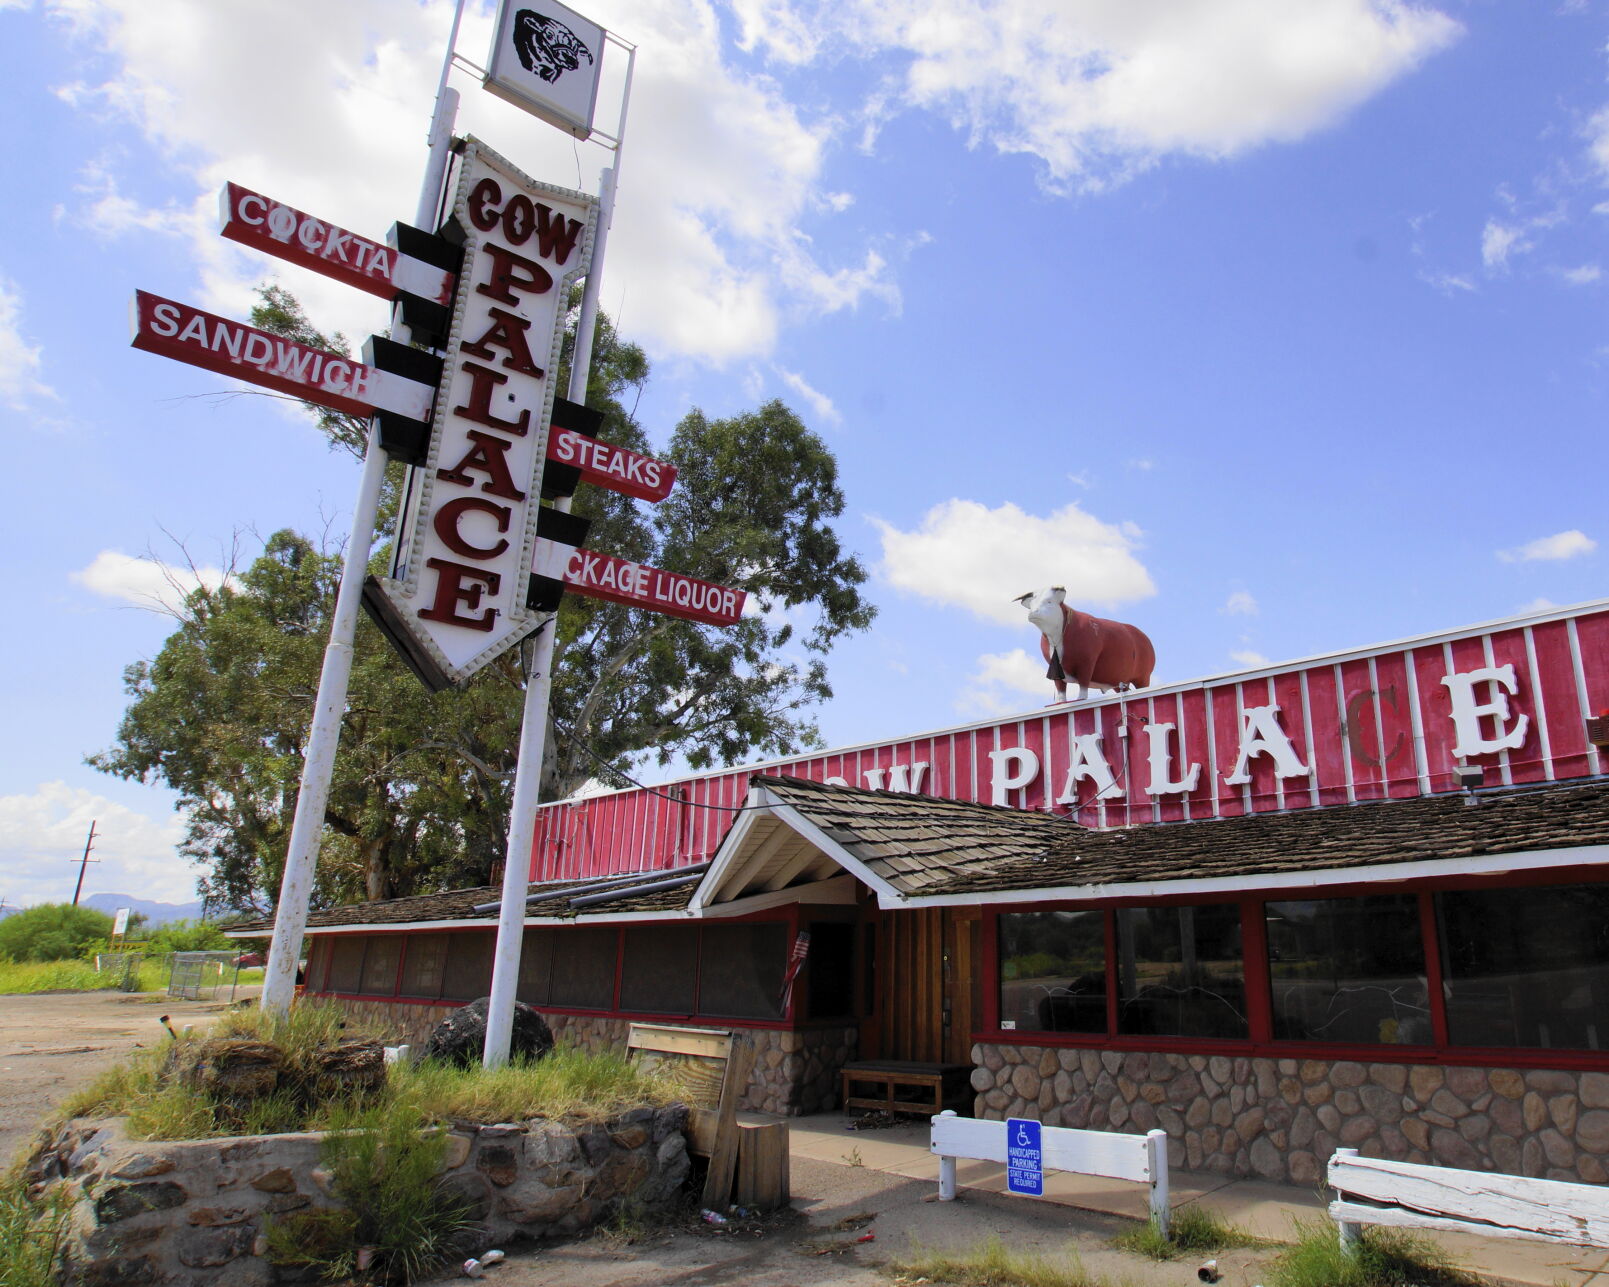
(1467, 713)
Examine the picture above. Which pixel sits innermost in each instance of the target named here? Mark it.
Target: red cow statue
(1091, 651)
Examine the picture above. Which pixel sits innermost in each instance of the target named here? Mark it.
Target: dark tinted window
(1053, 971)
(468, 971)
(1180, 971)
(346, 962)
(584, 968)
(1527, 967)
(741, 969)
(832, 970)
(659, 969)
(1349, 969)
(424, 960)
(380, 965)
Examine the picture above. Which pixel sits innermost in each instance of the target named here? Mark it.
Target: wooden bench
(906, 1087)
(1112, 1155)
(1374, 1191)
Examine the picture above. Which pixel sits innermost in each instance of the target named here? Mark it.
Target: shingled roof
(459, 905)
(926, 847)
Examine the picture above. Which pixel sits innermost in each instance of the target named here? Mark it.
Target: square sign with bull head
(546, 59)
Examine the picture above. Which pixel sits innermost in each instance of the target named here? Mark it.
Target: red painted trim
(1109, 928)
(1430, 937)
(1256, 975)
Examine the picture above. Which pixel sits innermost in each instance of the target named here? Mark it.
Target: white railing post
(1156, 1162)
(1347, 1230)
(947, 1170)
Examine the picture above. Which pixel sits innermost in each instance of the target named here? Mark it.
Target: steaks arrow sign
(459, 598)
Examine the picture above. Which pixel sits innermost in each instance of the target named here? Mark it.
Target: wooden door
(929, 983)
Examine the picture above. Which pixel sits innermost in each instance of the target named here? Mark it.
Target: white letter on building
(906, 779)
(1003, 779)
(1262, 735)
(1467, 713)
(1162, 762)
(1088, 762)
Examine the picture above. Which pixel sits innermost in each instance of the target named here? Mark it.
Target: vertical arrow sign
(471, 526)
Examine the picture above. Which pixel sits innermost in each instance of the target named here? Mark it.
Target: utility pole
(84, 862)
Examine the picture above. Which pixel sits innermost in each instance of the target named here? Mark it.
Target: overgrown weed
(31, 1234)
(1384, 1258)
(1191, 1229)
(992, 1264)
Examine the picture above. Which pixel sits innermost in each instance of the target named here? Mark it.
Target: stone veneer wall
(1280, 1119)
(795, 1073)
(194, 1211)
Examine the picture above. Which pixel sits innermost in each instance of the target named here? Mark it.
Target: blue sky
(1274, 329)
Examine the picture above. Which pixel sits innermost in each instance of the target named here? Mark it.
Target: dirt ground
(52, 1043)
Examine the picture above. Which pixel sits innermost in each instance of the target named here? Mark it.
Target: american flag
(796, 960)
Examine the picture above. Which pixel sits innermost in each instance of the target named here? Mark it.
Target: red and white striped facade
(1391, 721)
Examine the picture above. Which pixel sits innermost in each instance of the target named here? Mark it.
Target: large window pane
(380, 965)
(584, 967)
(1527, 967)
(536, 966)
(423, 965)
(1349, 969)
(659, 972)
(1180, 972)
(346, 962)
(468, 970)
(741, 966)
(1053, 971)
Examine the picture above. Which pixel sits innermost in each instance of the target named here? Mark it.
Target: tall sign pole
(539, 684)
(296, 885)
(83, 863)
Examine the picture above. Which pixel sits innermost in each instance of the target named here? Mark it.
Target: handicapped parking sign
(1025, 1160)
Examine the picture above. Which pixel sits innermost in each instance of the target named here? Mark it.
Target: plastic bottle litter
(491, 1257)
(473, 1269)
(712, 1217)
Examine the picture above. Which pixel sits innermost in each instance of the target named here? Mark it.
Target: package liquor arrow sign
(636, 585)
(459, 598)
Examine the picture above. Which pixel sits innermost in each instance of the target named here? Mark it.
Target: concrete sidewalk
(1265, 1210)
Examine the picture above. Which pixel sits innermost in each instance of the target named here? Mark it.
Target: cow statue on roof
(1091, 651)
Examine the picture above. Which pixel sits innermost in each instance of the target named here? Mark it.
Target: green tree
(422, 784)
(53, 932)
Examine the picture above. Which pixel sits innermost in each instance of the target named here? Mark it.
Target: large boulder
(461, 1036)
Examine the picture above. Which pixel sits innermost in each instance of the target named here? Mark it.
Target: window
(1180, 971)
(536, 966)
(467, 975)
(422, 967)
(741, 968)
(659, 972)
(380, 965)
(346, 963)
(1527, 967)
(584, 968)
(1349, 969)
(1053, 971)
(832, 971)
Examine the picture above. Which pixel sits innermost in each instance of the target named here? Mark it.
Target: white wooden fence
(1110, 1154)
(1374, 1191)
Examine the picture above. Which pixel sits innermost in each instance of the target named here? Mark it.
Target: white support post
(1156, 1161)
(539, 683)
(1348, 1231)
(947, 1170)
(324, 736)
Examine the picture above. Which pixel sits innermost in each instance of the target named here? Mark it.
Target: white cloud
(1498, 241)
(1597, 132)
(319, 111)
(42, 835)
(144, 582)
(1249, 659)
(773, 26)
(818, 401)
(1241, 604)
(1585, 275)
(1561, 545)
(969, 556)
(20, 362)
(1005, 682)
(1448, 283)
(1542, 604)
(1100, 90)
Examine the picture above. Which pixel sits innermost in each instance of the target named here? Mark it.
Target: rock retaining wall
(795, 1073)
(1280, 1119)
(195, 1211)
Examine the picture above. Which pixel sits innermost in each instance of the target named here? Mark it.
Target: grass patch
(567, 1083)
(21, 977)
(1384, 1258)
(991, 1264)
(31, 1235)
(396, 1223)
(1191, 1229)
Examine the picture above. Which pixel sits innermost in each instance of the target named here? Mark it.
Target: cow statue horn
(1091, 651)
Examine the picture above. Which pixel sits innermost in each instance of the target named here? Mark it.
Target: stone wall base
(795, 1072)
(1280, 1119)
(197, 1211)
